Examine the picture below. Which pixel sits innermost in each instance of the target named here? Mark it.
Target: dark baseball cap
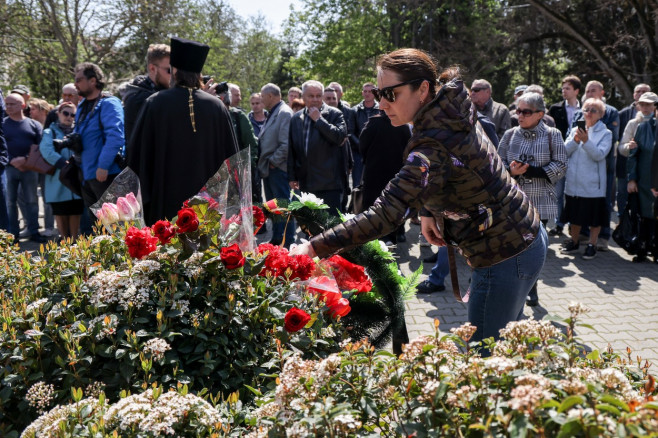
(20, 89)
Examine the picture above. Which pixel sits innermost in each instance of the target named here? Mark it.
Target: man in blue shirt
(20, 133)
(99, 121)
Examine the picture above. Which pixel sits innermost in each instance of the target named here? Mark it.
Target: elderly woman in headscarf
(535, 156)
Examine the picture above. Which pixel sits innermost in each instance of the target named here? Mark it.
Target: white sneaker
(423, 242)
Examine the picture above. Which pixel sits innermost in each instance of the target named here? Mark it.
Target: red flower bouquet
(349, 276)
(140, 242)
(278, 261)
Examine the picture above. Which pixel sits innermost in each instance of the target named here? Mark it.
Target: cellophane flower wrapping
(121, 202)
(229, 192)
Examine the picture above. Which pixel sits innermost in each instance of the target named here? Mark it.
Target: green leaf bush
(86, 315)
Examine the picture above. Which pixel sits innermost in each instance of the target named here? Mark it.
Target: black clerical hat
(188, 55)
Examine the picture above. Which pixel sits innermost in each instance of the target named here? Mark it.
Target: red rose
(303, 267)
(349, 276)
(277, 260)
(296, 319)
(232, 256)
(140, 242)
(258, 217)
(340, 307)
(163, 231)
(187, 220)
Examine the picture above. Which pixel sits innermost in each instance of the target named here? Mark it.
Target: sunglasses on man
(388, 93)
(526, 112)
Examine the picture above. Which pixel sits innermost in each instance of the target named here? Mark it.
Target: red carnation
(164, 231)
(277, 260)
(232, 256)
(303, 267)
(258, 217)
(339, 307)
(349, 276)
(296, 319)
(187, 220)
(140, 242)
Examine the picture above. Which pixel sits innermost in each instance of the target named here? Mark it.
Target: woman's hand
(632, 187)
(303, 249)
(517, 168)
(581, 135)
(431, 231)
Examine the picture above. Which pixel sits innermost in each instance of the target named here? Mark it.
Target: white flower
(383, 246)
(577, 309)
(98, 239)
(40, 395)
(306, 198)
(156, 347)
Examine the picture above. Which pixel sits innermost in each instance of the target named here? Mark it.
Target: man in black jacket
(157, 78)
(367, 108)
(315, 157)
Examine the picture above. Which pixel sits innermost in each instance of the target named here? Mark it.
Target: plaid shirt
(540, 147)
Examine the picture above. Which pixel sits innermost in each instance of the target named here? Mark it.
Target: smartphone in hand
(581, 125)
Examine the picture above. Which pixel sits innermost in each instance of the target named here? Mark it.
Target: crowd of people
(484, 177)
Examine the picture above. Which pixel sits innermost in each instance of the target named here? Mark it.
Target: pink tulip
(126, 212)
(110, 213)
(134, 203)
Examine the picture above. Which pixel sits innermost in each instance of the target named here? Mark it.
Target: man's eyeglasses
(476, 90)
(590, 110)
(68, 114)
(387, 92)
(526, 112)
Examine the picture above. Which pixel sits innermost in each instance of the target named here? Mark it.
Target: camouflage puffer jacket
(452, 171)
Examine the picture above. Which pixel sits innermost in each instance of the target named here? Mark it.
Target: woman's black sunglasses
(387, 92)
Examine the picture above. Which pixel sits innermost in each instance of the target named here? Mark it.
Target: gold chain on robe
(191, 103)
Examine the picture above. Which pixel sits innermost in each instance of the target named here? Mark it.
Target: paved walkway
(622, 295)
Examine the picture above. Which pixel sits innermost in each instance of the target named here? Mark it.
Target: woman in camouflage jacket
(452, 173)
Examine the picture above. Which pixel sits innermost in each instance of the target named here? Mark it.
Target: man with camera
(21, 133)
(99, 125)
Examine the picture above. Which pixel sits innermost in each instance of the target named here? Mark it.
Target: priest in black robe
(181, 137)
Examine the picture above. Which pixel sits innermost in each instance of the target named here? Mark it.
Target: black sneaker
(570, 246)
(38, 238)
(590, 252)
(427, 287)
(557, 231)
(531, 303)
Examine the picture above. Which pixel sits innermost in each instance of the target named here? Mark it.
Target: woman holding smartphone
(454, 176)
(534, 155)
(585, 183)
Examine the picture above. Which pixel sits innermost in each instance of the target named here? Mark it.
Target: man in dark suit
(563, 114)
(315, 157)
(625, 115)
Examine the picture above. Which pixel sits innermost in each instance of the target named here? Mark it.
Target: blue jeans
(441, 267)
(559, 193)
(28, 182)
(622, 195)
(498, 292)
(4, 219)
(357, 170)
(276, 186)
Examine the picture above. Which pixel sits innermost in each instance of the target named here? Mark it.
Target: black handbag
(356, 200)
(627, 233)
(71, 177)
